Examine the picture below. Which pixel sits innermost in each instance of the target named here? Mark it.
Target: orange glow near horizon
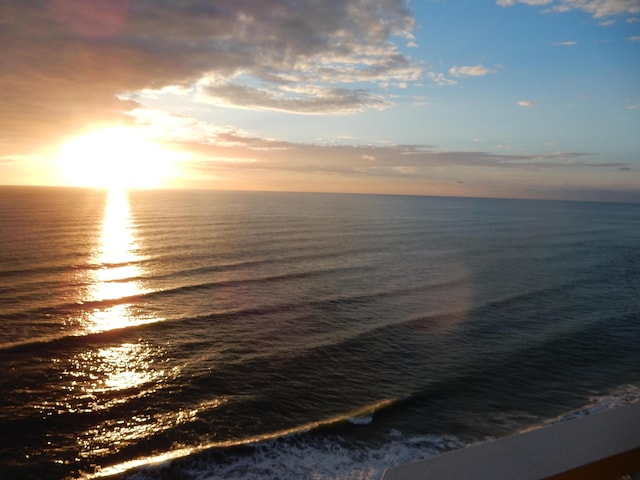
(115, 157)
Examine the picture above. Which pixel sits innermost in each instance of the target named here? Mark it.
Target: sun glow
(118, 157)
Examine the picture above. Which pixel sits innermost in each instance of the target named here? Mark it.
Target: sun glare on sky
(117, 157)
(475, 99)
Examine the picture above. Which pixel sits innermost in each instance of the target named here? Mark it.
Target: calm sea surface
(183, 334)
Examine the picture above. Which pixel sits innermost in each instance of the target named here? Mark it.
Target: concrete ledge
(600, 446)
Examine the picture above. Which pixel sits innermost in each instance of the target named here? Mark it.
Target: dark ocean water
(210, 335)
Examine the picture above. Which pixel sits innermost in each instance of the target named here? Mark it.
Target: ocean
(247, 335)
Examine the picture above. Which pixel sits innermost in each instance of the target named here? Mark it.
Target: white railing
(602, 446)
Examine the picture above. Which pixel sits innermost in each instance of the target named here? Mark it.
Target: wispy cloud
(470, 71)
(527, 103)
(635, 38)
(506, 3)
(441, 79)
(235, 150)
(569, 43)
(300, 99)
(597, 8)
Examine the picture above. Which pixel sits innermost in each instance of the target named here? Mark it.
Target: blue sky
(507, 98)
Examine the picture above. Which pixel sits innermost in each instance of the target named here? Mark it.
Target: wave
(240, 263)
(619, 397)
(50, 275)
(64, 342)
(391, 334)
(299, 453)
(346, 417)
(147, 295)
(72, 308)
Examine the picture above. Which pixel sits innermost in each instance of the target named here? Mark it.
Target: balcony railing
(602, 446)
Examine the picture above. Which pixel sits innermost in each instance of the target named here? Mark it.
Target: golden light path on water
(117, 274)
(99, 379)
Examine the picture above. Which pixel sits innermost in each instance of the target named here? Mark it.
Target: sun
(116, 157)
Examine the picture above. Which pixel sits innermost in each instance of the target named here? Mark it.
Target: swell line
(68, 340)
(155, 459)
(49, 270)
(110, 302)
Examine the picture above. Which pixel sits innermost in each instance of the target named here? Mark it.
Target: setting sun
(116, 157)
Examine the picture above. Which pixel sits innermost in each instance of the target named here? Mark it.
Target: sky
(476, 98)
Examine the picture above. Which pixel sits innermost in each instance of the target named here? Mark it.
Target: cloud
(597, 8)
(506, 3)
(456, 71)
(527, 103)
(66, 65)
(635, 38)
(470, 71)
(441, 79)
(230, 149)
(9, 160)
(569, 43)
(305, 99)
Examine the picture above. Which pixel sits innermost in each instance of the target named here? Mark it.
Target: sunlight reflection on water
(118, 276)
(101, 378)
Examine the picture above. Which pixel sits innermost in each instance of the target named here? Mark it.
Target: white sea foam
(624, 395)
(300, 457)
(362, 420)
(295, 458)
